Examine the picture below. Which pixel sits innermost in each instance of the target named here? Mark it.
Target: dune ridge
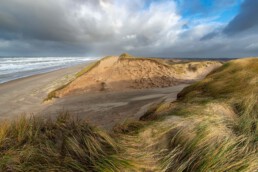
(123, 72)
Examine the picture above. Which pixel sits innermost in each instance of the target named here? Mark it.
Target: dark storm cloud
(210, 35)
(40, 20)
(88, 24)
(245, 20)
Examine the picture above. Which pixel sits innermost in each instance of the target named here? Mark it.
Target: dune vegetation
(52, 94)
(64, 144)
(212, 126)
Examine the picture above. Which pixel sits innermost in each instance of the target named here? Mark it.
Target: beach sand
(106, 109)
(25, 97)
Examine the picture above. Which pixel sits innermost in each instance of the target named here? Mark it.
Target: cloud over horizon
(166, 28)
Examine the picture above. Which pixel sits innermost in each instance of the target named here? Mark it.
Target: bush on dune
(65, 144)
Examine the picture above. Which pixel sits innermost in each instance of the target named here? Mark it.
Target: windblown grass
(213, 126)
(201, 147)
(52, 94)
(129, 127)
(234, 78)
(65, 144)
(235, 83)
(126, 56)
(87, 68)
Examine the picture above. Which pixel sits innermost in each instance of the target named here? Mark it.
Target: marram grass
(212, 127)
(64, 144)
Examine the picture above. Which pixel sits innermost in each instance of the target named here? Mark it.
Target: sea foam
(12, 68)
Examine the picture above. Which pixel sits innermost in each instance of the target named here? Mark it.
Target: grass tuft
(126, 56)
(64, 144)
(87, 68)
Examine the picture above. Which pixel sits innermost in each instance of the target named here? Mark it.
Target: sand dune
(120, 73)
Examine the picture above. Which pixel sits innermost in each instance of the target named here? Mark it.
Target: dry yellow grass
(65, 144)
(213, 126)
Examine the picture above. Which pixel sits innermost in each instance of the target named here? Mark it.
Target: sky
(153, 28)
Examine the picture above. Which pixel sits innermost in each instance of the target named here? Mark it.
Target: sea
(12, 68)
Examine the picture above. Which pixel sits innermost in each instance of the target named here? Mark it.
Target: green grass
(238, 77)
(126, 56)
(64, 144)
(87, 68)
(52, 94)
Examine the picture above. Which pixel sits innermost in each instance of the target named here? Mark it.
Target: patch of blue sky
(229, 13)
(221, 11)
(218, 11)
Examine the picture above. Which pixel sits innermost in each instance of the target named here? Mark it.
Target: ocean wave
(17, 67)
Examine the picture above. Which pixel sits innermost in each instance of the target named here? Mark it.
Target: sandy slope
(115, 73)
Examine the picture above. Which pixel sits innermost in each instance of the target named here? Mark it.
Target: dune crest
(114, 73)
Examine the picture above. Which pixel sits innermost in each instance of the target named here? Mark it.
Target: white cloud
(81, 27)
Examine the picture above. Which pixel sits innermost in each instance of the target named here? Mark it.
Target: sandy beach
(25, 97)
